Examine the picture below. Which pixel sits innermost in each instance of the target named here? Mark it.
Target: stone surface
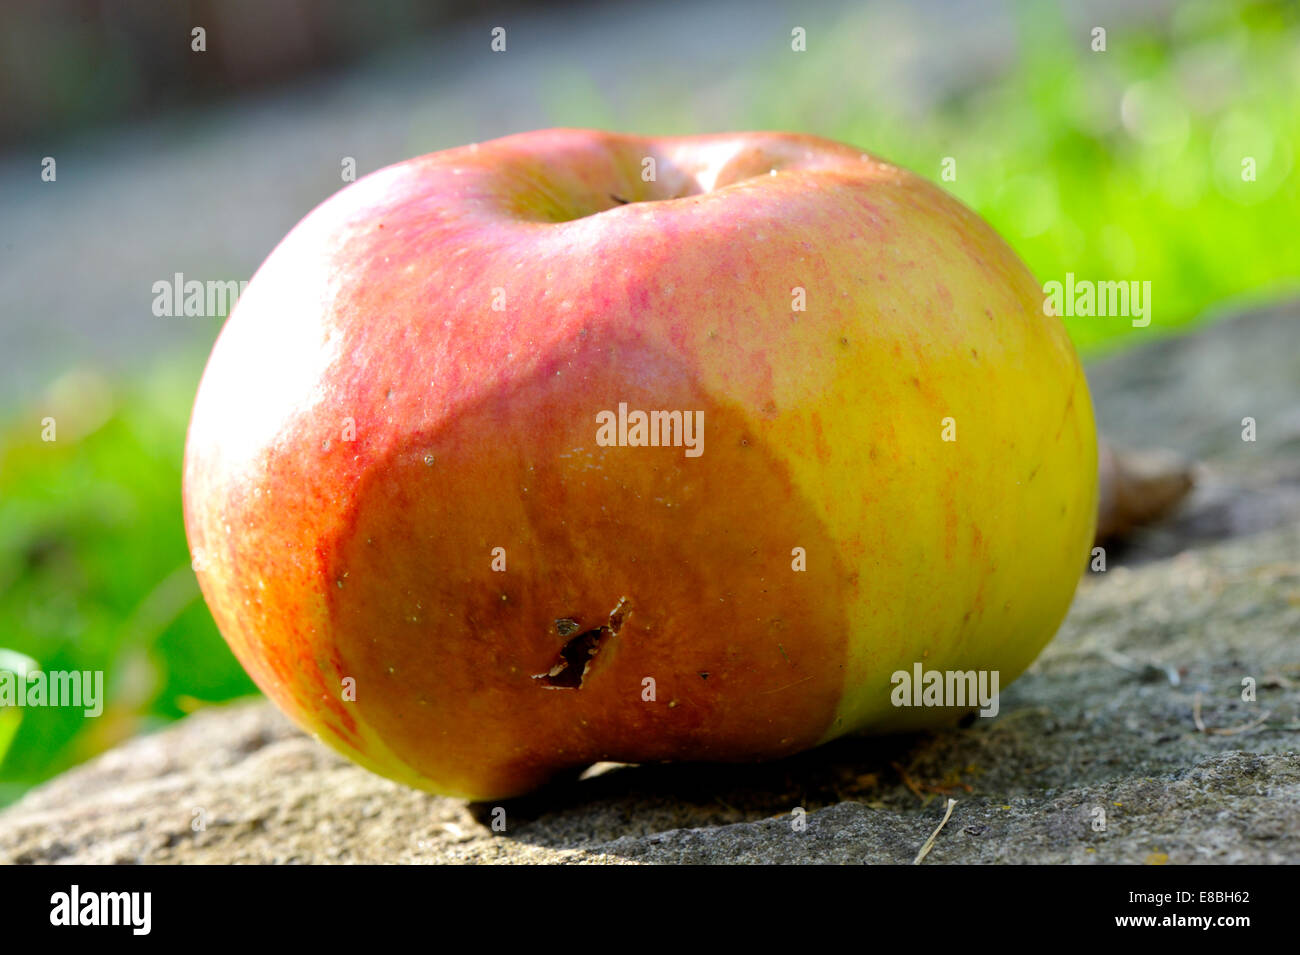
(1128, 741)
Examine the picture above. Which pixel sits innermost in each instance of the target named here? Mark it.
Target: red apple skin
(411, 381)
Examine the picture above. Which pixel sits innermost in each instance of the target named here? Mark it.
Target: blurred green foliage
(1125, 164)
(1118, 165)
(94, 569)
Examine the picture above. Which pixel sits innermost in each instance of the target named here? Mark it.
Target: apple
(576, 446)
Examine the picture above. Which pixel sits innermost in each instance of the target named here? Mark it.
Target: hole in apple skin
(570, 667)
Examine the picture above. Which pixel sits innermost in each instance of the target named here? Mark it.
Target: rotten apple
(575, 446)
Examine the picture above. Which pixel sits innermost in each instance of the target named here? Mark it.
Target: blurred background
(1122, 163)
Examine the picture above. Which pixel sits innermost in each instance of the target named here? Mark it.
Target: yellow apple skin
(406, 396)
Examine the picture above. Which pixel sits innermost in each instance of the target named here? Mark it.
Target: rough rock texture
(1128, 741)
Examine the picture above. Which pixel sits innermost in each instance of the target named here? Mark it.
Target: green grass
(94, 571)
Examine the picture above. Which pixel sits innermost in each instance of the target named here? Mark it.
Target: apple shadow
(593, 812)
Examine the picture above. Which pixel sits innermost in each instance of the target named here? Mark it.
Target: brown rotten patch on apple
(692, 554)
(576, 656)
